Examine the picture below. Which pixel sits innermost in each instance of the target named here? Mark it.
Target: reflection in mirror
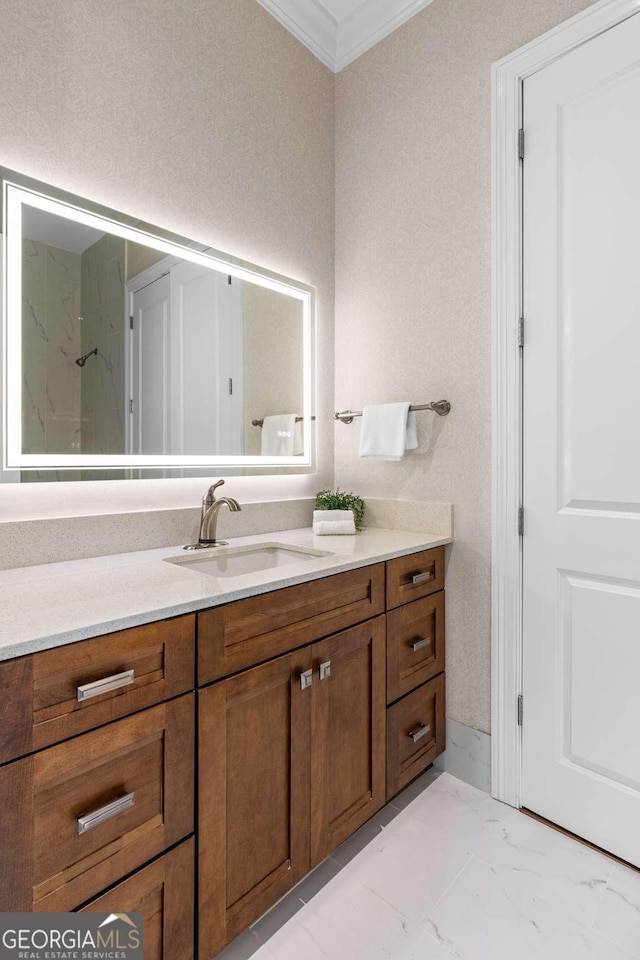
(136, 352)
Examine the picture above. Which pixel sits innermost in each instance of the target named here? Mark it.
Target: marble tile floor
(446, 872)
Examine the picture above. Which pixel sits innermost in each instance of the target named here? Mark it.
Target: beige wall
(413, 320)
(206, 117)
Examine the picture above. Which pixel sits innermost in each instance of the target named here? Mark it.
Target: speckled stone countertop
(54, 604)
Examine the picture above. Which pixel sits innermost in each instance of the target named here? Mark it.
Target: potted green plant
(327, 500)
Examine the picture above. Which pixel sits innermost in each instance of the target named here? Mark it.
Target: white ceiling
(339, 31)
(57, 231)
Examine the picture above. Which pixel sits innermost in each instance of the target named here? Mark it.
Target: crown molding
(371, 23)
(310, 23)
(338, 44)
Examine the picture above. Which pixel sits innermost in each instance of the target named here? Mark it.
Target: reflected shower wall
(103, 311)
(51, 386)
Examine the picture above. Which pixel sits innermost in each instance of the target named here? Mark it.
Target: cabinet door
(347, 734)
(254, 795)
(163, 893)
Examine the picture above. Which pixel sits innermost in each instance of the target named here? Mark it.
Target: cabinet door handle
(88, 690)
(420, 731)
(91, 820)
(419, 644)
(306, 679)
(324, 669)
(422, 577)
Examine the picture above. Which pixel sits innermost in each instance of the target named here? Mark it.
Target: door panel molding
(507, 77)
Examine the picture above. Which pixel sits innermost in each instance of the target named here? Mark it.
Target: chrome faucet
(209, 518)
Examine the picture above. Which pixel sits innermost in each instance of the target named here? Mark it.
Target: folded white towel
(324, 528)
(388, 429)
(278, 435)
(329, 515)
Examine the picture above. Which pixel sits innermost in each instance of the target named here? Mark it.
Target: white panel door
(150, 369)
(581, 454)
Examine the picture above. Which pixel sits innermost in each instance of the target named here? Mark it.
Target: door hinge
(130, 322)
(520, 703)
(521, 332)
(130, 406)
(231, 386)
(521, 143)
(521, 521)
(229, 281)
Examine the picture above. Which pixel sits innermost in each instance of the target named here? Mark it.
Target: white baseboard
(468, 755)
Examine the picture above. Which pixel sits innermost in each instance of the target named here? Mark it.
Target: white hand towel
(333, 522)
(320, 515)
(332, 528)
(278, 435)
(388, 429)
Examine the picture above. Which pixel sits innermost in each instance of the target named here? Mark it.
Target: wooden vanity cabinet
(97, 746)
(310, 707)
(291, 761)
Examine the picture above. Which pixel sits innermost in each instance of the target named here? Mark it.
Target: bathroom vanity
(216, 756)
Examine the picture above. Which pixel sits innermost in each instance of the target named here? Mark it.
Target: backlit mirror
(129, 348)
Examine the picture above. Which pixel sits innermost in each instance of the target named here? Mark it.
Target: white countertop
(54, 604)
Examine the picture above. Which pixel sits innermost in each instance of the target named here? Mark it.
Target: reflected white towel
(388, 429)
(332, 522)
(298, 439)
(278, 435)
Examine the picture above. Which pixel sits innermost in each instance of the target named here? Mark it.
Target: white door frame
(507, 76)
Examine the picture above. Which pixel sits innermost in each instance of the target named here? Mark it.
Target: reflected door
(581, 545)
(206, 361)
(149, 403)
(186, 363)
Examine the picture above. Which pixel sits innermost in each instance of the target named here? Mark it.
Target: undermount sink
(236, 561)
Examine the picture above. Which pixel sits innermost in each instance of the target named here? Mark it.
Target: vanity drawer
(414, 576)
(415, 733)
(247, 632)
(415, 644)
(65, 691)
(83, 814)
(163, 893)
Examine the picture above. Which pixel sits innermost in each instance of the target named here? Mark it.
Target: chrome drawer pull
(419, 644)
(88, 690)
(91, 820)
(422, 577)
(306, 679)
(420, 731)
(324, 669)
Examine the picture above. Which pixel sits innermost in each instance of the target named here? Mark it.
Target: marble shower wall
(51, 342)
(103, 326)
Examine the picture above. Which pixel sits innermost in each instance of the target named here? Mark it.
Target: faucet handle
(211, 492)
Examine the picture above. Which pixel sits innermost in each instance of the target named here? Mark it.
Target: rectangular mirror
(129, 348)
